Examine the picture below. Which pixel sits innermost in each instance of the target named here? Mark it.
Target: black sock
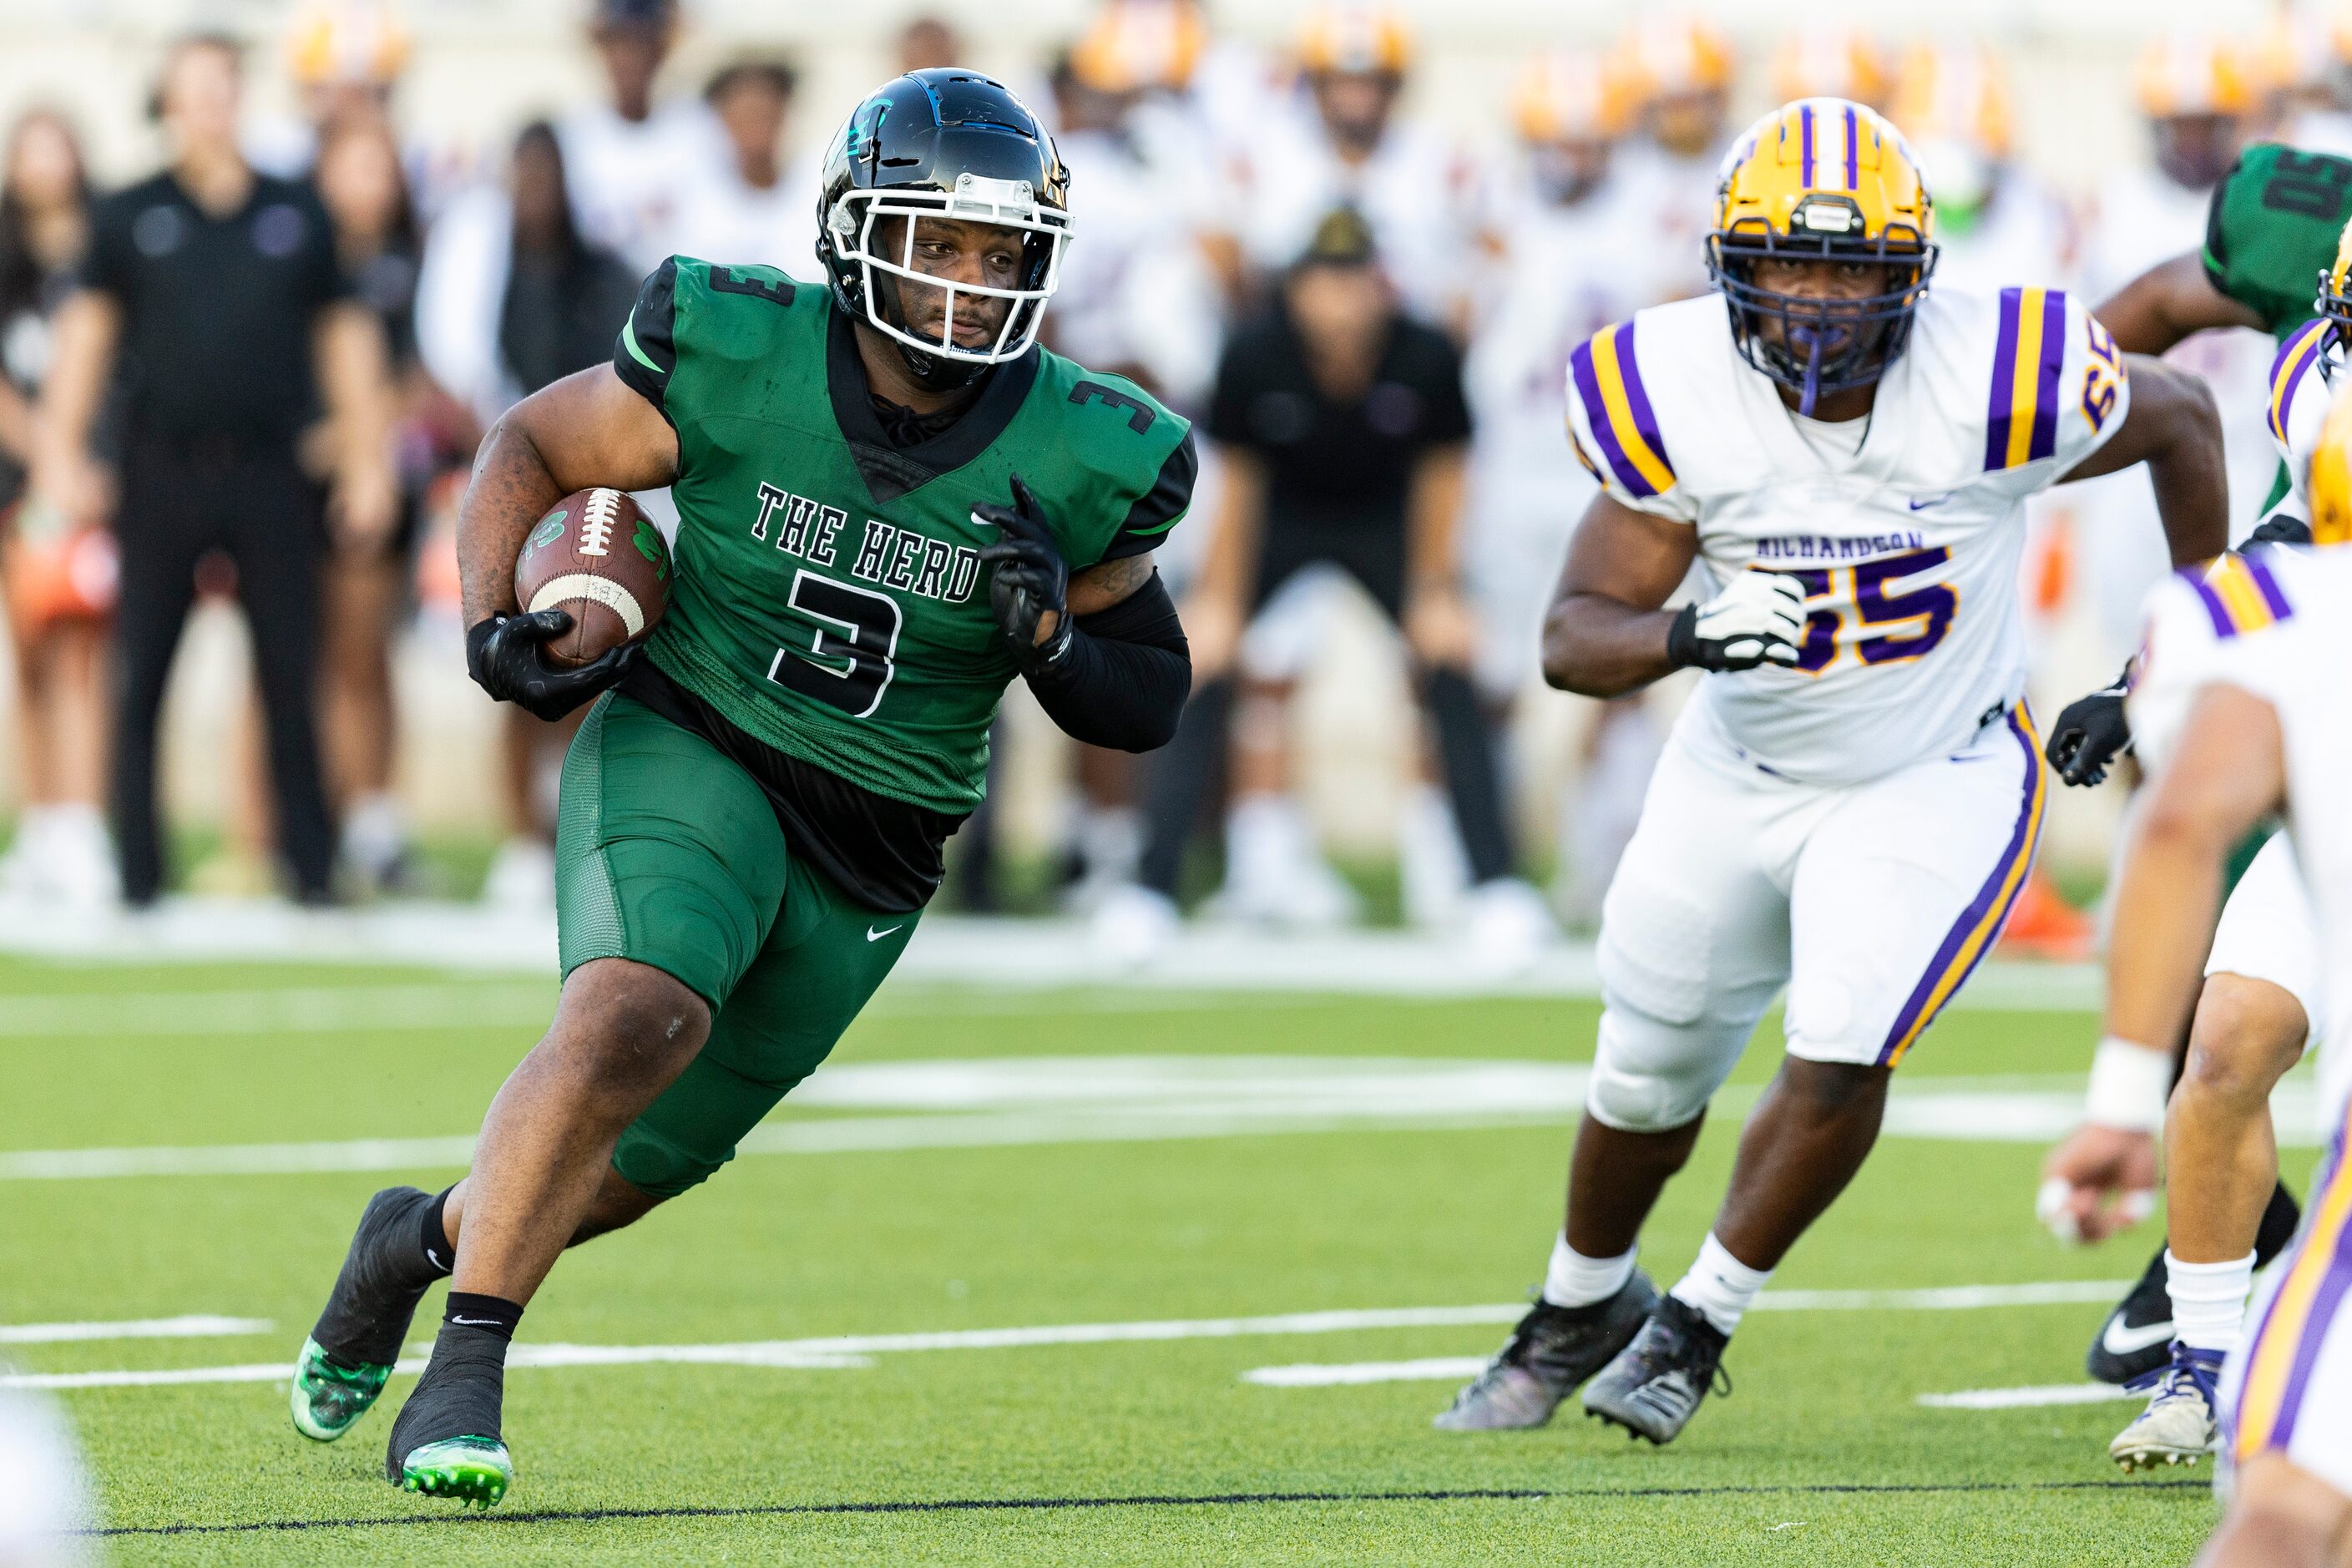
(439, 1254)
(2280, 1217)
(493, 1314)
(383, 1278)
(463, 1391)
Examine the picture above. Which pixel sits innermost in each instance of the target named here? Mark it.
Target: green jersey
(2273, 229)
(830, 601)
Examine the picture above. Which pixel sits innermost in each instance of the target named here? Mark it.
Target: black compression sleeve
(1122, 681)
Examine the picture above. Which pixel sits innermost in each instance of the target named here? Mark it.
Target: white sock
(374, 833)
(1266, 837)
(1576, 1281)
(1719, 1285)
(2208, 1301)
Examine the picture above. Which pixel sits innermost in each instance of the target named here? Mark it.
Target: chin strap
(1811, 340)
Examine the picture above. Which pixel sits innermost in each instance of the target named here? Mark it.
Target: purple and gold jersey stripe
(2022, 414)
(1972, 935)
(1609, 379)
(2294, 356)
(2287, 1343)
(2241, 595)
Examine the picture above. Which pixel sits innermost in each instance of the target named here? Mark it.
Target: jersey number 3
(848, 663)
(1908, 624)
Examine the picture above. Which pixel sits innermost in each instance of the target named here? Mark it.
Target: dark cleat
(1551, 1351)
(1655, 1383)
(350, 1354)
(2135, 1342)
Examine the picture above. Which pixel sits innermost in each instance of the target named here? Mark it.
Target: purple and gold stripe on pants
(2021, 411)
(2285, 1347)
(1972, 935)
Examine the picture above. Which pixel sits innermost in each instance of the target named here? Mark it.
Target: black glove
(2091, 732)
(2280, 528)
(502, 655)
(1031, 579)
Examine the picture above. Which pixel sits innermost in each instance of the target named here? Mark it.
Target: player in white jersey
(2262, 1000)
(1680, 68)
(1576, 254)
(1347, 146)
(2200, 100)
(2245, 705)
(1850, 803)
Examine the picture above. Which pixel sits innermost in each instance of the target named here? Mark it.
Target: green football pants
(668, 854)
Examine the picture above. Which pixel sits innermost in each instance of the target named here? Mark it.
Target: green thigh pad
(669, 854)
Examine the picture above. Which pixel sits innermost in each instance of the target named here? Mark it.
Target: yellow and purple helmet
(1821, 179)
(2335, 301)
(2329, 483)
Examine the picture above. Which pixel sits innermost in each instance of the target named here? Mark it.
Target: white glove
(1756, 620)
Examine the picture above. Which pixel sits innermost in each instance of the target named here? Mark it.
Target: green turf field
(1131, 1450)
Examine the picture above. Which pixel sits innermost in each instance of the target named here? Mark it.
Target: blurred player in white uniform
(2244, 702)
(1829, 62)
(1347, 146)
(2306, 54)
(628, 160)
(1144, 303)
(1848, 805)
(1574, 257)
(1680, 72)
(756, 205)
(1996, 224)
(2200, 97)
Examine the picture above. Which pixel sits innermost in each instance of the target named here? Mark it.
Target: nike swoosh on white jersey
(873, 935)
(2120, 1341)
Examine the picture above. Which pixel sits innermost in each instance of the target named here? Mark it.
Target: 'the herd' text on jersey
(1905, 528)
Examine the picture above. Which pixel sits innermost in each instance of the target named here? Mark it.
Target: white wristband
(2129, 1086)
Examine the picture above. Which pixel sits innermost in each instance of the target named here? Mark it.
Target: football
(597, 555)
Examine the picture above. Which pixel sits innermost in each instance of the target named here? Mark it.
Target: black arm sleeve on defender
(1123, 680)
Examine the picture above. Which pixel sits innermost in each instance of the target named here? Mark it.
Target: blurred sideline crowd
(261, 376)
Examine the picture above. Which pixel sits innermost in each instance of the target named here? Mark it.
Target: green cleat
(328, 1397)
(470, 1470)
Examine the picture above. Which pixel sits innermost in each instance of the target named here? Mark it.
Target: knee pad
(1651, 1076)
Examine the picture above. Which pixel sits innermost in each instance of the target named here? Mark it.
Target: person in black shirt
(1344, 429)
(219, 288)
(60, 578)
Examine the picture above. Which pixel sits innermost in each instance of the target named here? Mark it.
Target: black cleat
(2135, 1340)
(1551, 1351)
(1654, 1384)
(350, 1351)
(448, 1439)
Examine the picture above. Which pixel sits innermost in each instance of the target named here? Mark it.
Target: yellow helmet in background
(353, 42)
(1572, 95)
(2335, 301)
(1959, 93)
(1829, 63)
(1674, 55)
(2329, 483)
(2295, 51)
(1141, 46)
(1822, 179)
(1365, 38)
(2180, 75)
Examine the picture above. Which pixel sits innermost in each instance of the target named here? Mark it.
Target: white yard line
(988, 954)
(2030, 1398)
(839, 1350)
(1335, 1374)
(198, 1326)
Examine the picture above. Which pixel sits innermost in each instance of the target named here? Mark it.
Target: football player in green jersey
(2271, 238)
(891, 505)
